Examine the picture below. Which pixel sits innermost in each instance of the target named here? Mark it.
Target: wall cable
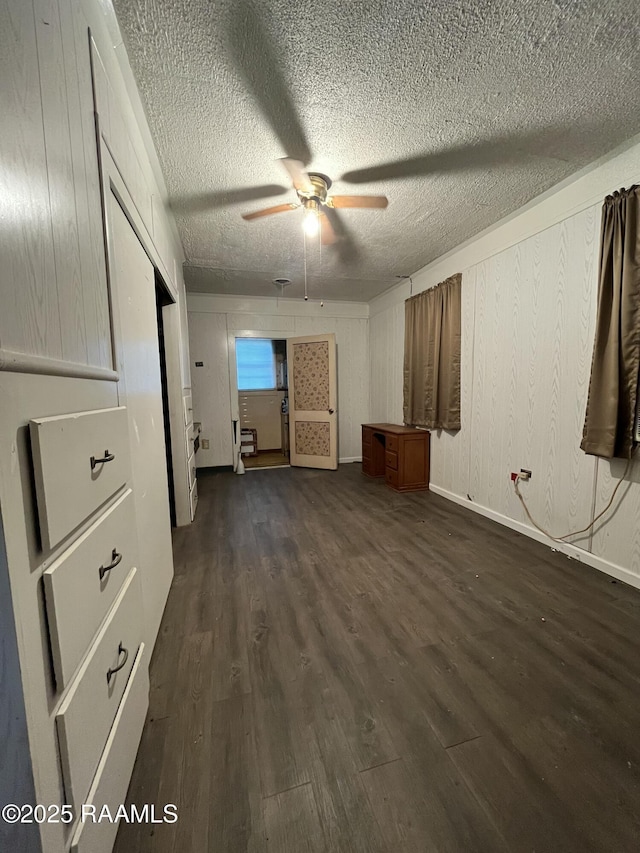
(593, 520)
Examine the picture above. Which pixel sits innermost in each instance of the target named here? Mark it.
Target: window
(255, 359)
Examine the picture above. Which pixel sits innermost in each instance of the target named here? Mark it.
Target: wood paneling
(55, 285)
(618, 538)
(62, 187)
(532, 337)
(210, 387)
(29, 321)
(386, 349)
(260, 322)
(57, 301)
(86, 173)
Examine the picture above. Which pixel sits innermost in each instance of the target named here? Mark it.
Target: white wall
(529, 303)
(213, 318)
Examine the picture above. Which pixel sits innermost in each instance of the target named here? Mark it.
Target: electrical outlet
(205, 443)
(524, 474)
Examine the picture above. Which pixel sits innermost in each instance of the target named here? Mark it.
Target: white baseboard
(612, 569)
(345, 459)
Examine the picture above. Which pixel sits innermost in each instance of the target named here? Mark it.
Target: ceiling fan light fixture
(310, 222)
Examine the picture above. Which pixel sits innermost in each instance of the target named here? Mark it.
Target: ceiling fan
(257, 59)
(312, 189)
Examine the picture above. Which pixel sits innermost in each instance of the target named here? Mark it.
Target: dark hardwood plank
(236, 817)
(424, 807)
(292, 822)
(517, 800)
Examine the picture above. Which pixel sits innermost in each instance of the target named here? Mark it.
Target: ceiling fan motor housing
(320, 185)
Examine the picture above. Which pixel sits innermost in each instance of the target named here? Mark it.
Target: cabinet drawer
(111, 781)
(366, 435)
(191, 466)
(367, 466)
(71, 481)
(391, 477)
(391, 442)
(194, 500)
(187, 402)
(391, 459)
(77, 597)
(89, 708)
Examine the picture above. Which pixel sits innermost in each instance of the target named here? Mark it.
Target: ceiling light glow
(310, 222)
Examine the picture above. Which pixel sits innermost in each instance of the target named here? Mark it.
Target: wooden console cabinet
(399, 454)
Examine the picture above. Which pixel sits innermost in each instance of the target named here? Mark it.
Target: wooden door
(313, 406)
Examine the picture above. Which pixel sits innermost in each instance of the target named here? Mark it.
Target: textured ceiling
(484, 105)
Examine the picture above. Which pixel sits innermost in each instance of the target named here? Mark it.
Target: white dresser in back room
(261, 410)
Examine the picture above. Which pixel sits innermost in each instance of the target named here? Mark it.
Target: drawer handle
(330, 411)
(108, 457)
(116, 559)
(112, 672)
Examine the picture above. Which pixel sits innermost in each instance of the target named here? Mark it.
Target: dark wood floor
(343, 668)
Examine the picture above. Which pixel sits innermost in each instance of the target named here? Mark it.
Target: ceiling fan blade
(256, 59)
(341, 201)
(298, 174)
(267, 211)
(327, 234)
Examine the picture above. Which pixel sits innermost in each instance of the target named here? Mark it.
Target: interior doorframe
(269, 334)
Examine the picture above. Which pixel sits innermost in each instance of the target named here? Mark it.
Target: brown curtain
(608, 426)
(432, 356)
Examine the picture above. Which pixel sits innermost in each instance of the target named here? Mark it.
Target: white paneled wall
(618, 540)
(209, 329)
(533, 338)
(528, 320)
(210, 387)
(386, 346)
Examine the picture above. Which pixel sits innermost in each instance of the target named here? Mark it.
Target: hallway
(345, 668)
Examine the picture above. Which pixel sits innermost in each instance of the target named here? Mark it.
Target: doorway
(263, 403)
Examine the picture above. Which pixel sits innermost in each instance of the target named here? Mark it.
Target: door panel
(313, 415)
(140, 389)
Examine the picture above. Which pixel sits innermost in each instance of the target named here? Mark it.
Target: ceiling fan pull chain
(304, 243)
(320, 265)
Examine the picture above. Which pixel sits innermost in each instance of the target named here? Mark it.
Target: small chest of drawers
(399, 454)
